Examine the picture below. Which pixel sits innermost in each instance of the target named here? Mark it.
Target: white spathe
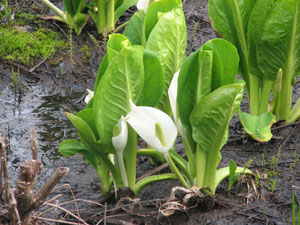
(89, 96)
(143, 120)
(143, 4)
(119, 142)
(172, 92)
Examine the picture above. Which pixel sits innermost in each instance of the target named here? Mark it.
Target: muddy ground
(50, 90)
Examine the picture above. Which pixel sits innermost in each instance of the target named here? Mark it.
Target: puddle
(42, 108)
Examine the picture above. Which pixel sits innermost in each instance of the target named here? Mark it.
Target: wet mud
(40, 100)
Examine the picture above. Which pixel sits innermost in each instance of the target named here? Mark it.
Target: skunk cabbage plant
(107, 142)
(207, 98)
(162, 30)
(73, 16)
(266, 34)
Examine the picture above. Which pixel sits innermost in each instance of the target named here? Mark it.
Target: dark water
(42, 108)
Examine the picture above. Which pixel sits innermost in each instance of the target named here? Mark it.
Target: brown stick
(10, 200)
(49, 185)
(33, 145)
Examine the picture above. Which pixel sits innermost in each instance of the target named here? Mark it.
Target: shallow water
(42, 108)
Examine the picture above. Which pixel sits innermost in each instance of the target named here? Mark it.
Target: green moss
(28, 47)
(87, 51)
(26, 17)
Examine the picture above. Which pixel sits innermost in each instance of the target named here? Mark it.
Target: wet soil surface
(42, 97)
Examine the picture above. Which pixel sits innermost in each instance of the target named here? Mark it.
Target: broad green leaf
(122, 8)
(87, 115)
(277, 48)
(71, 147)
(215, 67)
(229, 57)
(257, 21)
(224, 172)
(168, 40)
(122, 80)
(87, 137)
(278, 44)
(154, 9)
(134, 28)
(258, 126)
(115, 44)
(194, 82)
(82, 128)
(230, 19)
(154, 79)
(211, 117)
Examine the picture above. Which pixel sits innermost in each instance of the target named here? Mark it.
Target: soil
(53, 88)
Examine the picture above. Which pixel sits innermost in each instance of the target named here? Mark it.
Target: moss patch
(28, 47)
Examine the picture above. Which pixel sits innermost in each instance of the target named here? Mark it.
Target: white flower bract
(119, 142)
(143, 4)
(172, 92)
(144, 119)
(89, 96)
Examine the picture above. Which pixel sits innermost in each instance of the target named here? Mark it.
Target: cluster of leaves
(136, 91)
(127, 73)
(27, 46)
(266, 34)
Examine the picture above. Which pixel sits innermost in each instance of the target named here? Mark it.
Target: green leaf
(168, 39)
(151, 18)
(277, 45)
(295, 112)
(122, 80)
(229, 58)
(87, 137)
(123, 7)
(210, 120)
(115, 44)
(71, 147)
(154, 79)
(73, 6)
(258, 126)
(87, 115)
(209, 123)
(230, 19)
(257, 21)
(134, 28)
(224, 172)
(194, 82)
(80, 20)
(277, 48)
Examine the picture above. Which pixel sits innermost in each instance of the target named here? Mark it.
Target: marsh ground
(59, 84)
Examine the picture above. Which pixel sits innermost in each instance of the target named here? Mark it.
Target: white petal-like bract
(89, 96)
(144, 119)
(120, 141)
